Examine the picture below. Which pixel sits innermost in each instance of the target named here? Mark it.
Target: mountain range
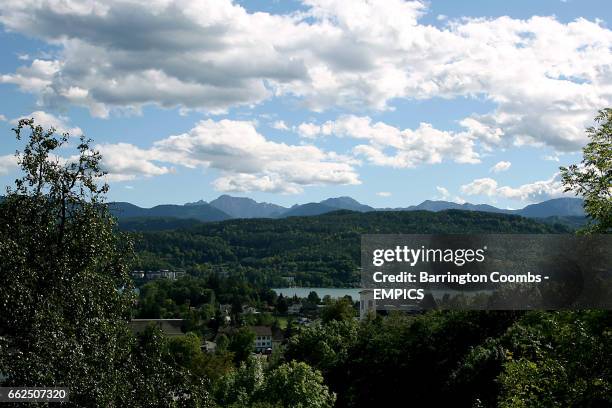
(227, 207)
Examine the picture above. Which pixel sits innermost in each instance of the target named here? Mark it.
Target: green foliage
(316, 251)
(338, 309)
(64, 280)
(558, 359)
(324, 346)
(157, 378)
(186, 352)
(294, 384)
(66, 293)
(242, 344)
(238, 388)
(592, 179)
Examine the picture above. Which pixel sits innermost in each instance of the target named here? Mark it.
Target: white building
(367, 303)
(263, 338)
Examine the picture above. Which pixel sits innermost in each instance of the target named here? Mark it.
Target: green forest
(316, 251)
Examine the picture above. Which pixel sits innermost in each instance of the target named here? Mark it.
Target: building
(278, 337)
(161, 274)
(367, 303)
(170, 327)
(246, 309)
(263, 338)
(209, 346)
(226, 309)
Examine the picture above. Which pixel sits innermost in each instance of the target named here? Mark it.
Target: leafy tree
(314, 298)
(340, 309)
(593, 177)
(186, 352)
(324, 346)
(281, 305)
(64, 280)
(242, 344)
(558, 359)
(298, 385)
(238, 387)
(157, 378)
(295, 384)
(65, 291)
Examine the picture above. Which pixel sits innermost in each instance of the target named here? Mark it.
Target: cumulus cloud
(124, 161)
(501, 166)
(546, 78)
(48, 120)
(552, 157)
(246, 159)
(409, 148)
(7, 164)
(531, 192)
(280, 125)
(445, 195)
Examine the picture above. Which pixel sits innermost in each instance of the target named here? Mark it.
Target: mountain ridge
(229, 207)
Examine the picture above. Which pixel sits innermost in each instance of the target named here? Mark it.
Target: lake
(334, 293)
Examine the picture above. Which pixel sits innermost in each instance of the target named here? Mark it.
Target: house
(294, 309)
(249, 310)
(226, 309)
(170, 327)
(209, 346)
(138, 274)
(161, 274)
(263, 338)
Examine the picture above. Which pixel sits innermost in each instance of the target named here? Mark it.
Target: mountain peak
(346, 203)
(244, 207)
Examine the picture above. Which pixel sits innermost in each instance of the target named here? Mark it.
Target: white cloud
(48, 120)
(7, 164)
(409, 148)
(124, 161)
(444, 193)
(246, 159)
(531, 192)
(552, 157)
(546, 78)
(309, 130)
(280, 125)
(383, 194)
(501, 166)
(2, 118)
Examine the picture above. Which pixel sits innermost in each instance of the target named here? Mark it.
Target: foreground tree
(592, 179)
(64, 282)
(294, 384)
(65, 291)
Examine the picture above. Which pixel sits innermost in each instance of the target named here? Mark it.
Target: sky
(390, 102)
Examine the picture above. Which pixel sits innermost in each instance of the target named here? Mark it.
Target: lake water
(334, 293)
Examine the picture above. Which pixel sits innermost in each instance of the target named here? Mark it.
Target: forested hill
(318, 251)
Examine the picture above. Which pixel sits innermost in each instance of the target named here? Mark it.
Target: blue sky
(389, 102)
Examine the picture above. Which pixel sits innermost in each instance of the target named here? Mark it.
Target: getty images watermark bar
(486, 272)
